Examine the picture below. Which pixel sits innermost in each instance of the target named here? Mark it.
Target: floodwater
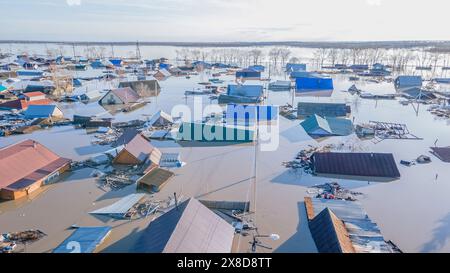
(413, 212)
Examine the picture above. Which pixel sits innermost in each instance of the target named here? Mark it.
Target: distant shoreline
(343, 44)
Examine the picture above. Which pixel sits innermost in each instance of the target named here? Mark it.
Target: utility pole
(138, 51)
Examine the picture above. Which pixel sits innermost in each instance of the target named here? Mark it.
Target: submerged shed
(154, 180)
(120, 208)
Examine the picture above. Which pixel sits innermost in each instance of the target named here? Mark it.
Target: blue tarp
(290, 67)
(76, 83)
(164, 66)
(313, 83)
(83, 240)
(298, 74)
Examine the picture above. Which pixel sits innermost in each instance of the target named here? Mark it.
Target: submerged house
(280, 85)
(26, 166)
(40, 86)
(190, 227)
(205, 132)
(162, 74)
(293, 67)
(242, 94)
(307, 109)
(43, 111)
(408, 81)
(249, 114)
(340, 226)
(124, 95)
(258, 68)
(88, 239)
(144, 88)
(160, 119)
(154, 180)
(138, 151)
(356, 166)
(328, 126)
(248, 74)
(313, 82)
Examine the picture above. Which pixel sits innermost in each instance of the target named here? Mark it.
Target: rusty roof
(24, 163)
(126, 95)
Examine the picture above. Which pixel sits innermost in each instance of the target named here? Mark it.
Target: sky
(224, 20)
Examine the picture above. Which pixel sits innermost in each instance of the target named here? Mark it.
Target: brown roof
(330, 234)
(24, 163)
(34, 94)
(21, 104)
(141, 148)
(156, 177)
(126, 94)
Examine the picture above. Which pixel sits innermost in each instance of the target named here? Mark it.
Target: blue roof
(259, 68)
(317, 125)
(83, 240)
(290, 67)
(247, 113)
(314, 82)
(40, 111)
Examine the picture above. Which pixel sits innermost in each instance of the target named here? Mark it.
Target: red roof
(15, 104)
(21, 104)
(126, 94)
(34, 94)
(24, 163)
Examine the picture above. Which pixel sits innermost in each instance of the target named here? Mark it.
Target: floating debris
(332, 191)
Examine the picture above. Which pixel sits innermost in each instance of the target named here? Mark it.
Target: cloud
(73, 2)
(373, 2)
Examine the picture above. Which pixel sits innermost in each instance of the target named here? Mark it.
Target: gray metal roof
(364, 234)
(121, 207)
(189, 228)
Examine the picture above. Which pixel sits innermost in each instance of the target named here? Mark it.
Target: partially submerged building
(43, 111)
(138, 151)
(205, 132)
(356, 166)
(124, 95)
(340, 226)
(160, 119)
(242, 94)
(443, 153)
(154, 180)
(237, 114)
(189, 227)
(144, 88)
(26, 166)
(313, 82)
(327, 126)
(408, 81)
(248, 74)
(294, 67)
(307, 109)
(162, 74)
(84, 240)
(280, 85)
(120, 209)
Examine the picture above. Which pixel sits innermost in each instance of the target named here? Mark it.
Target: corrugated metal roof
(141, 149)
(245, 90)
(363, 233)
(83, 240)
(156, 177)
(356, 164)
(121, 207)
(443, 153)
(322, 109)
(26, 162)
(126, 95)
(329, 233)
(190, 228)
(41, 111)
